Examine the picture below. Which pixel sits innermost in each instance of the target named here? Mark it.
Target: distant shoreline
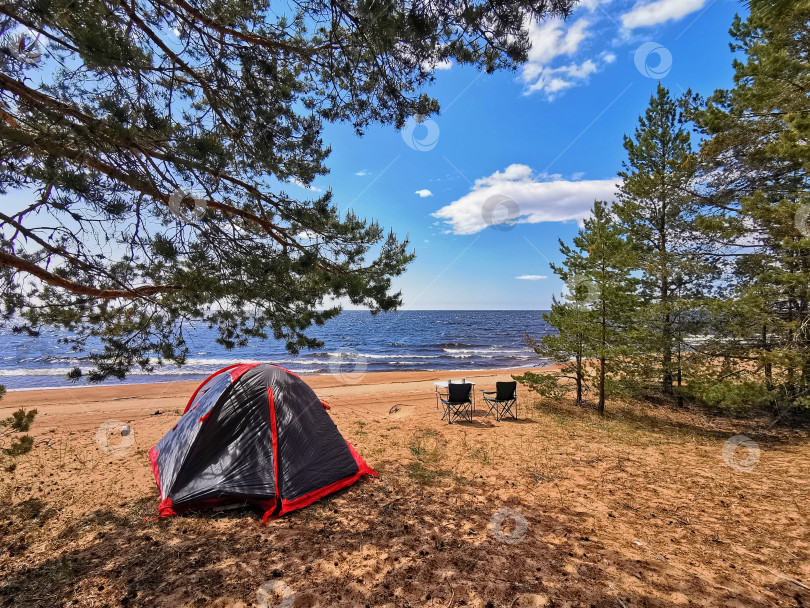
(178, 389)
(201, 376)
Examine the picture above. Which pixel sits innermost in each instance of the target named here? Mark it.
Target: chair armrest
(448, 402)
(490, 392)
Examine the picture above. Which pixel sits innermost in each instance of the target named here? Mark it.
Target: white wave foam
(62, 371)
(352, 354)
(486, 351)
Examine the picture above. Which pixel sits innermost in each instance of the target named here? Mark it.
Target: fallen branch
(787, 578)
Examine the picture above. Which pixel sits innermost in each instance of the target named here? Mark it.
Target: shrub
(546, 385)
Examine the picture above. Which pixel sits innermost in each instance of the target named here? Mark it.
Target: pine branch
(11, 261)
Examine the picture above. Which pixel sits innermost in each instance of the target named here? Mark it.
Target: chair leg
(458, 411)
(491, 405)
(509, 409)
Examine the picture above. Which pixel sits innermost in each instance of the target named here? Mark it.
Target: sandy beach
(559, 508)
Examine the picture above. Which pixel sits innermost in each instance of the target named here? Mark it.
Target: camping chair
(457, 404)
(504, 402)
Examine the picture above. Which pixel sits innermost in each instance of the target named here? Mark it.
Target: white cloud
(553, 80)
(514, 172)
(551, 40)
(566, 54)
(301, 184)
(531, 277)
(424, 193)
(307, 235)
(435, 64)
(533, 200)
(362, 173)
(592, 4)
(659, 11)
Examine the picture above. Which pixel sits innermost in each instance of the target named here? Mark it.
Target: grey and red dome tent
(253, 433)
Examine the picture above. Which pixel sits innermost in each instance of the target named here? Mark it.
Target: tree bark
(768, 368)
(601, 407)
(12, 261)
(680, 373)
(666, 350)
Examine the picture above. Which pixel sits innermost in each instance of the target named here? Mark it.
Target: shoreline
(56, 396)
(202, 375)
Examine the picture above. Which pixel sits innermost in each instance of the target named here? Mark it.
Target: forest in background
(693, 283)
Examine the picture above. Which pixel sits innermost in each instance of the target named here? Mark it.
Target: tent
(253, 433)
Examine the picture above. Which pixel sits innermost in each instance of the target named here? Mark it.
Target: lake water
(354, 342)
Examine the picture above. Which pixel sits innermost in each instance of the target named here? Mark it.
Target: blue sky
(538, 144)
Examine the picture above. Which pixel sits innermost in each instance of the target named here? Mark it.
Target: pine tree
(657, 209)
(159, 142)
(572, 318)
(610, 263)
(756, 186)
(12, 446)
(594, 319)
(775, 10)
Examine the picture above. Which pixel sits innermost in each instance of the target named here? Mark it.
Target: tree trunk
(803, 319)
(601, 407)
(768, 369)
(666, 330)
(791, 373)
(666, 358)
(680, 374)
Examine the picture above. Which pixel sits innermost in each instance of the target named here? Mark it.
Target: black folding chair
(458, 404)
(504, 401)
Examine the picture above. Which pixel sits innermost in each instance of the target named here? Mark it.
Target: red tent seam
(274, 433)
(153, 455)
(308, 499)
(216, 373)
(237, 371)
(165, 507)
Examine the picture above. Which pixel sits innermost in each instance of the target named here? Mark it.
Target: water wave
(486, 351)
(435, 341)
